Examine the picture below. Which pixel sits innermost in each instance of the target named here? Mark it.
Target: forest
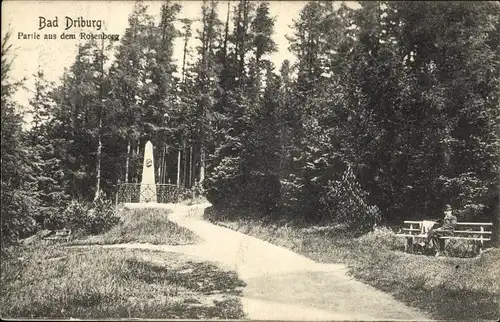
(390, 111)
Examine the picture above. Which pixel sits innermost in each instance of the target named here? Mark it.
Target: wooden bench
(477, 233)
(59, 235)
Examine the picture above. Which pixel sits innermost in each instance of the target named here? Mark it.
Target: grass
(143, 226)
(89, 282)
(446, 287)
(40, 280)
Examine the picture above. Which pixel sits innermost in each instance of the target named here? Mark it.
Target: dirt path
(282, 285)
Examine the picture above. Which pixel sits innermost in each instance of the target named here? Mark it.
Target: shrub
(291, 191)
(17, 208)
(91, 218)
(233, 185)
(52, 218)
(259, 192)
(102, 216)
(380, 237)
(471, 197)
(195, 194)
(197, 190)
(222, 184)
(459, 248)
(75, 216)
(348, 203)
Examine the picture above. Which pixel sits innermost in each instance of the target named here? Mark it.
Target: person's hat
(447, 208)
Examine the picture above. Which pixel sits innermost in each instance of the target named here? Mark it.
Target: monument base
(142, 205)
(148, 193)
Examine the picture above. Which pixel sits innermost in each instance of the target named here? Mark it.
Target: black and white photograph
(250, 160)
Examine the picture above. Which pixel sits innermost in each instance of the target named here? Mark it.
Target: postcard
(250, 160)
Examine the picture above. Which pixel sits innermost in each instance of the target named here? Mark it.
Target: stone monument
(148, 184)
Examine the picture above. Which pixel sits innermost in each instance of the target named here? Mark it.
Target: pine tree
(235, 177)
(262, 28)
(164, 88)
(50, 175)
(144, 86)
(77, 119)
(425, 133)
(126, 76)
(315, 110)
(18, 191)
(207, 70)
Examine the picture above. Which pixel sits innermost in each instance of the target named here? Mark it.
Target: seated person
(446, 229)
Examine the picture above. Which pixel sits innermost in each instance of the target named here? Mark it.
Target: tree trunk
(191, 165)
(184, 170)
(202, 162)
(98, 167)
(127, 161)
(138, 161)
(243, 41)
(496, 213)
(161, 161)
(238, 34)
(99, 142)
(164, 164)
(226, 31)
(187, 35)
(496, 222)
(165, 172)
(179, 168)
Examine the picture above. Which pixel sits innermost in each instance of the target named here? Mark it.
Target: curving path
(283, 285)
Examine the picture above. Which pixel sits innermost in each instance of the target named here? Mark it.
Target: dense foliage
(390, 111)
(18, 191)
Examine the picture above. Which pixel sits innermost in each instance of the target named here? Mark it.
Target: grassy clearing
(143, 226)
(87, 282)
(446, 287)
